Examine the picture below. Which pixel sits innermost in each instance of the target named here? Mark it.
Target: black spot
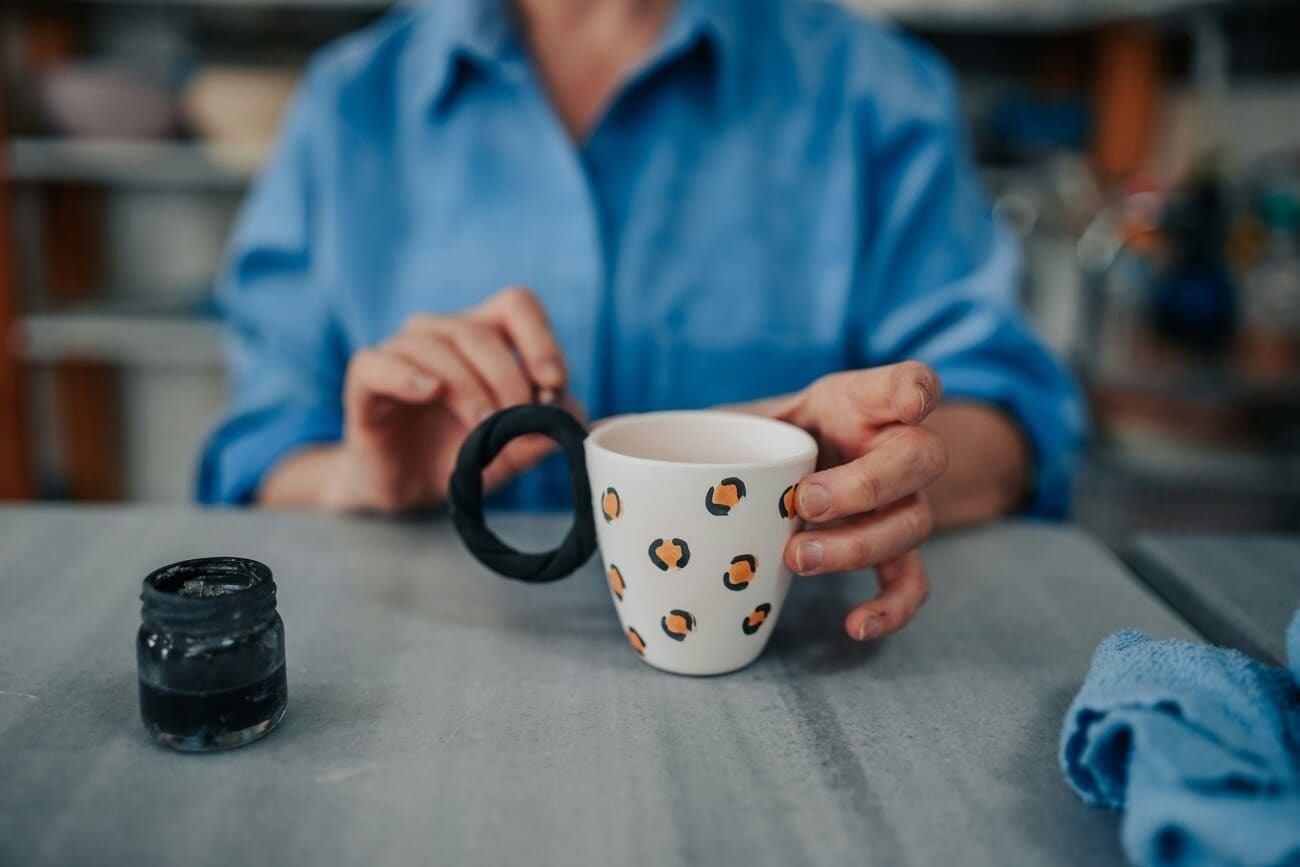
(685, 615)
(719, 509)
(686, 553)
(785, 513)
(765, 609)
(654, 555)
(753, 568)
(661, 564)
(639, 644)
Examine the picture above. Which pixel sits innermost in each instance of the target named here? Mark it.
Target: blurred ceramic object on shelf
(1162, 302)
(98, 100)
(1271, 339)
(238, 105)
(1266, 253)
(1195, 296)
(1048, 204)
(1119, 255)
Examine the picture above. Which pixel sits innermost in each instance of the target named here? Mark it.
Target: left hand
(866, 505)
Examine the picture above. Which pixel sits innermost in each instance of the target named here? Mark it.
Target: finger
(519, 314)
(906, 392)
(525, 452)
(518, 457)
(376, 374)
(899, 465)
(904, 588)
(466, 395)
(864, 541)
(489, 355)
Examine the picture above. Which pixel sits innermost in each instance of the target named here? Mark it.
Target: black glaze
(465, 494)
(207, 717)
(210, 654)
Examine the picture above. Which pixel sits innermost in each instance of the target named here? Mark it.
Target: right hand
(410, 402)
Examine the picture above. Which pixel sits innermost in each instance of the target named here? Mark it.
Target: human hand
(410, 402)
(866, 504)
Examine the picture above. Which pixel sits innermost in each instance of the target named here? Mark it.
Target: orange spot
(616, 581)
(741, 573)
(757, 617)
(670, 554)
(726, 495)
(611, 505)
(634, 638)
(677, 624)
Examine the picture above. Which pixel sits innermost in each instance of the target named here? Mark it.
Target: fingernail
(551, 373)
(813, 500)
(869, 627)
(421, 384)
(925, 399)
(809, 557)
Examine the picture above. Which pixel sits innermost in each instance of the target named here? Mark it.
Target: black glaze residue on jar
(210, 653)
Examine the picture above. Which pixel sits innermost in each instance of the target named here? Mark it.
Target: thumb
(520, 456)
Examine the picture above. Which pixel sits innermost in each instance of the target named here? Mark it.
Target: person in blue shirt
(762, 203)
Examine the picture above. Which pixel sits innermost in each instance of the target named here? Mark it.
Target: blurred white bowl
(98, 100)
(238, 105)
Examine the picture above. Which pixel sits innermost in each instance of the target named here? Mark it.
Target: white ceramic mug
(692, 512)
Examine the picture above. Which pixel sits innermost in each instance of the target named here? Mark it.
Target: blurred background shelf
(1122, 490)
(949, 15)
(124, 337)
(1042, 16)
(136, 163)
(111, 234)
(306, 5)
(185, 165)
(1218, 387)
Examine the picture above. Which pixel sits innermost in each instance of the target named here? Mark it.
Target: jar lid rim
(257, 590)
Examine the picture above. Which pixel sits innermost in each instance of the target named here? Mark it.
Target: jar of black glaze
(210, 654)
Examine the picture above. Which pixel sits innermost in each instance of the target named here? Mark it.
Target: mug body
(693, 512)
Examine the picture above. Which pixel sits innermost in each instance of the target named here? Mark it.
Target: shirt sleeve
(285, 356)
(942, 276)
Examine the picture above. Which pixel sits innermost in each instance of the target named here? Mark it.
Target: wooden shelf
(1138, 460)
(180, 164)
(127, 338)
(133, 163)
(1224, 387)
(1023, 15)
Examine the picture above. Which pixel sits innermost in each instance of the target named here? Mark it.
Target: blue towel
(1200, 746)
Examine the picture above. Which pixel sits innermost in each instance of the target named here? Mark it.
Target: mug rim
(808, 451)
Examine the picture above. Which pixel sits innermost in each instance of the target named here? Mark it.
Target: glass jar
(210, 654)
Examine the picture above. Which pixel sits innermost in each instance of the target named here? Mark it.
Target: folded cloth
(1199, 745)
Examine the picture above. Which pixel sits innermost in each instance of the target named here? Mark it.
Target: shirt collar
(454, 38)
(707, 26)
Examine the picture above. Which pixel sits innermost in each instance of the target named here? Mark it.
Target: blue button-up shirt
(779, 191)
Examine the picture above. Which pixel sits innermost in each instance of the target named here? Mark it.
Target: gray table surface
(441, 715)
(1239, 591)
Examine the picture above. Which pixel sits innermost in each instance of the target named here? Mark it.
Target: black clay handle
(466, 494)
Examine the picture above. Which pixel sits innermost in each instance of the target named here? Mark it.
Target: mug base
(704, 670)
